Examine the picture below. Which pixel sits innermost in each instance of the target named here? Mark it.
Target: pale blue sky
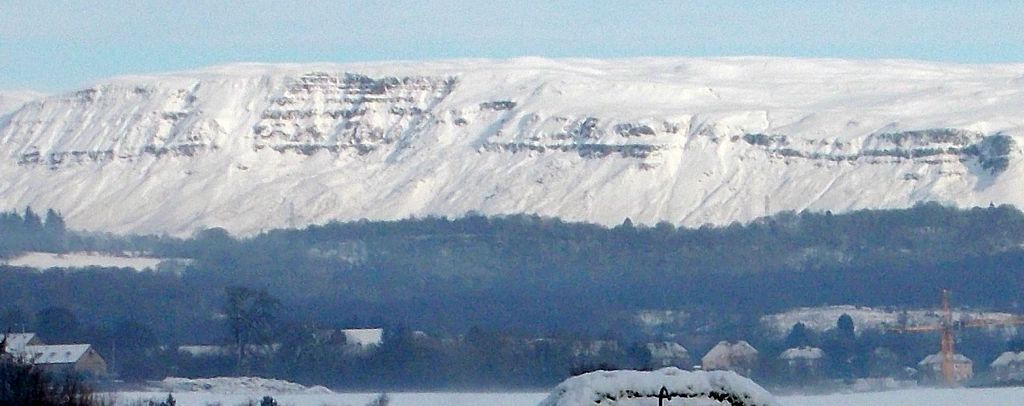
(62, 45)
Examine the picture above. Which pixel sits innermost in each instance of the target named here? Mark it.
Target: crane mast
(948, 344)
(946, 328)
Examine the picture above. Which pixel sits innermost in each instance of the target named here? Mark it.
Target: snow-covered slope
(820, 319)
(689, 141)
(13, 100)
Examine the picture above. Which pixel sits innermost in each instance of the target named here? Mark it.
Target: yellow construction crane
(948, 342)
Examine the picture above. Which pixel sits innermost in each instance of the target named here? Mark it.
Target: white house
(1009, 366)
(740, 357)
(803, 363)
(668, 354)
(18, 341)
(79, 358)
(931, 368)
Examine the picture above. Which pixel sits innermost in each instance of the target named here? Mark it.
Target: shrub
(24, 384)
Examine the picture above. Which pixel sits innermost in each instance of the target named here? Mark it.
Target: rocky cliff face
(250, 147)
(321, 111)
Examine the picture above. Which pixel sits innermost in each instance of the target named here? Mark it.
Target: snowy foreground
(911, 397)
(627, 388)
(239, 391)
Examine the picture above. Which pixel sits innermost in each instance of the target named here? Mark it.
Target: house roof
(56, 354)
(364, 336)
(1008, 358)
(802, 353)
(17, 341)
(667, 349)
(937, 359)
(723, 354)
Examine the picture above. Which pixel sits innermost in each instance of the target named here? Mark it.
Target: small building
(930, 369)
(354, 341)
(739, 357)
(76, 358)
(365, 338)
(17, 342)
(667, 354)
(1008, 367)
(803, 363)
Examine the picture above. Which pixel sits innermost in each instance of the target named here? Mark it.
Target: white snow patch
(239, 385)
(802, 353)
(47, 260)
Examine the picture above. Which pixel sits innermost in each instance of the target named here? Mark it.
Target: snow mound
(620, 388)
(231, 385)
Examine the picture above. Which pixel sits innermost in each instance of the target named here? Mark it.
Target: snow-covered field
(910, 397)
(916, 397)
(47, 260)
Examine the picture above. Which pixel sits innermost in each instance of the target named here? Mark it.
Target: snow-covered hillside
(13, 100)
(820, 319)
(690, 141)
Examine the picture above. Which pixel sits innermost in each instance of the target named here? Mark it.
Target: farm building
(77, 358)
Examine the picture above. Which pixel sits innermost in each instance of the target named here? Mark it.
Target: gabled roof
(1008, 358)
(667, 349)
(726, 355)
(17, 341)
(55, 354)
(937, 359)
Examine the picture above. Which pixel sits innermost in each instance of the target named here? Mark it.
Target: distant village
(797, 366)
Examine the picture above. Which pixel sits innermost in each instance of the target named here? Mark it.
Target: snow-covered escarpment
(689, 141)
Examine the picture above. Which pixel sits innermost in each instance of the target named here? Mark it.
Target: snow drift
(687, 141)
(238, 385)
(643, 388)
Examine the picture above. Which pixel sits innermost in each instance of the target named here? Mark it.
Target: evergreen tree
(32, 222)
(845, 327)
(55, 230)
(798, 336)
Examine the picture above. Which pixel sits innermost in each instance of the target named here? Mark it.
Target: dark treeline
(515, 276)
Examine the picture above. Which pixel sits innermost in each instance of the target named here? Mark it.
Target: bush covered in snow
(645, 387)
